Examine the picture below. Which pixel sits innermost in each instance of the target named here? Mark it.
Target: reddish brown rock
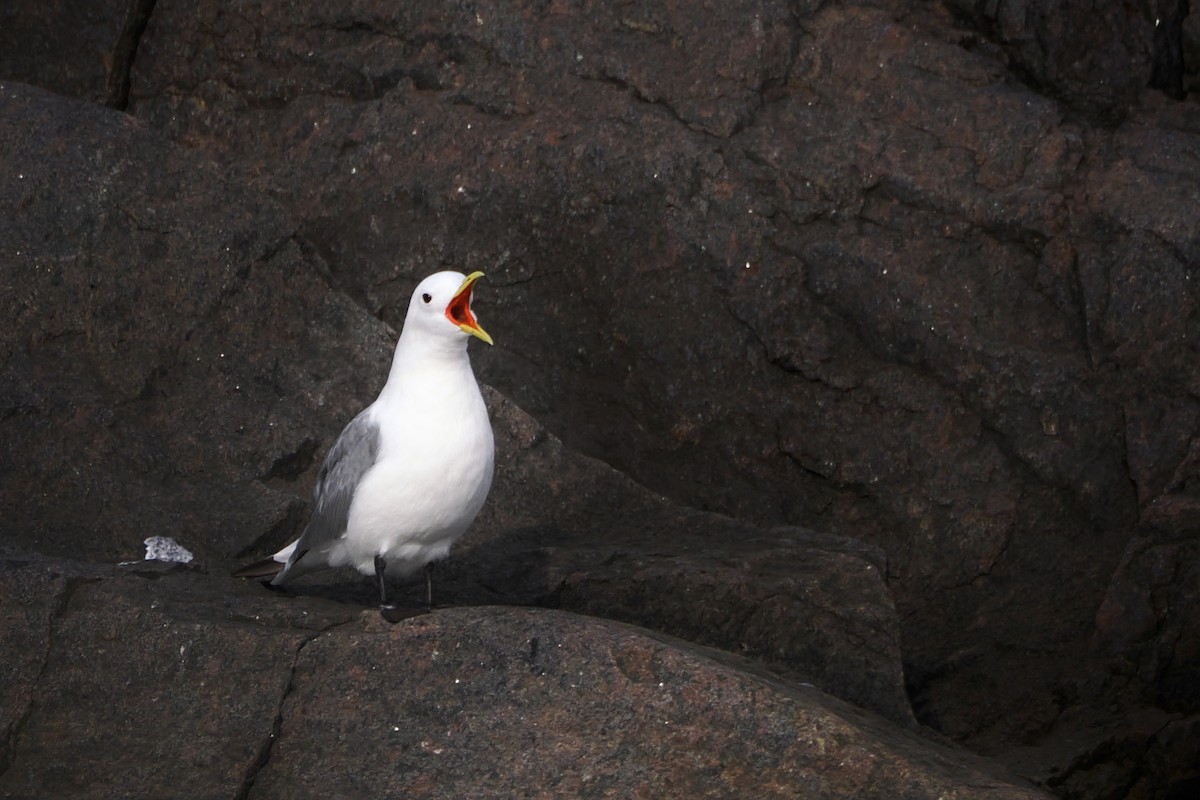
(142, 690)
(508, 702)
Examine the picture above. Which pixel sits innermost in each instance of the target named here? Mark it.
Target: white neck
(421, 355)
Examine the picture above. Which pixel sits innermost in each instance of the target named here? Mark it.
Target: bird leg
(390, 611)
(380, 568)
(429, 585)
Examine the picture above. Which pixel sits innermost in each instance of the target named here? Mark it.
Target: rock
(137, 691)
(564, 531)
(227, 335)
(819, 614)
(812, 606)
(902, 298)
(522, 702)
(72, 51)
(143, 373)
(28, 601)
(157, 682)
(1070, 52)
(911, 279)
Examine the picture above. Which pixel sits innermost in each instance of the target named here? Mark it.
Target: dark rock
(66, 48)
(811, 606)
(1191, 53)
(564, 531)
(533, 703)
(819, 614)
(1168, 69)
(159, 316)
(184, 684)
(900, 297)
(919, 280)
(1097, 58)
(226, 334)
(146, 688)
(28, 601)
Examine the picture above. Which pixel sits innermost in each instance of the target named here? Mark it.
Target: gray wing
(348, 460)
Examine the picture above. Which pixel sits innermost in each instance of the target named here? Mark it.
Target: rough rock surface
(913, 275)
(134, 278)
(119, 386)
(164, 682)
(143, 391)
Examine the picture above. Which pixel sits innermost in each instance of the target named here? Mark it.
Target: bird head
(441, 304)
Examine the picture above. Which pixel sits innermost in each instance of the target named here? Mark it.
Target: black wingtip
(267, 568)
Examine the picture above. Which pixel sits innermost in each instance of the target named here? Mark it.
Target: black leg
(429, 585)
(394, 613)
(380, 569)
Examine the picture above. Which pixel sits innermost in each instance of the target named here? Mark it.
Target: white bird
(409, 474)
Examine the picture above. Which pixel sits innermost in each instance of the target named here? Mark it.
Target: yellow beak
(459, 310)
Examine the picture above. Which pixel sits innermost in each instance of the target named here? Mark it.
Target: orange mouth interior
(459, 310)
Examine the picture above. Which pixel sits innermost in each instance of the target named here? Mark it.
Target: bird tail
(267, 568)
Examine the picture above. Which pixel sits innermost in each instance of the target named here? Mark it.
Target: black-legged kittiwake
(408, 475)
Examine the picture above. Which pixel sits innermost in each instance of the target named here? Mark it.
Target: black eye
(427, 297)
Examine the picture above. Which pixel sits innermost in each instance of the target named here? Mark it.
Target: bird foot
(393, 613)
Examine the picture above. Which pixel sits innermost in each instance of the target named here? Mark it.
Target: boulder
(158, 682)
(137, 690)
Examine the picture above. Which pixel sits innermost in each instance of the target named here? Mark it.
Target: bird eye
(428, 298)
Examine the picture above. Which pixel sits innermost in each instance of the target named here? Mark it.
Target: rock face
(135, 278)
(915, 277)
(144, 384)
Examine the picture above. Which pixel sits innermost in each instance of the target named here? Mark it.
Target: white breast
(432, 476)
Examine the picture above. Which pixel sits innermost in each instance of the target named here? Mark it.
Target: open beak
(459, 310)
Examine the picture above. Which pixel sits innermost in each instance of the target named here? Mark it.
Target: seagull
(409, 474)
